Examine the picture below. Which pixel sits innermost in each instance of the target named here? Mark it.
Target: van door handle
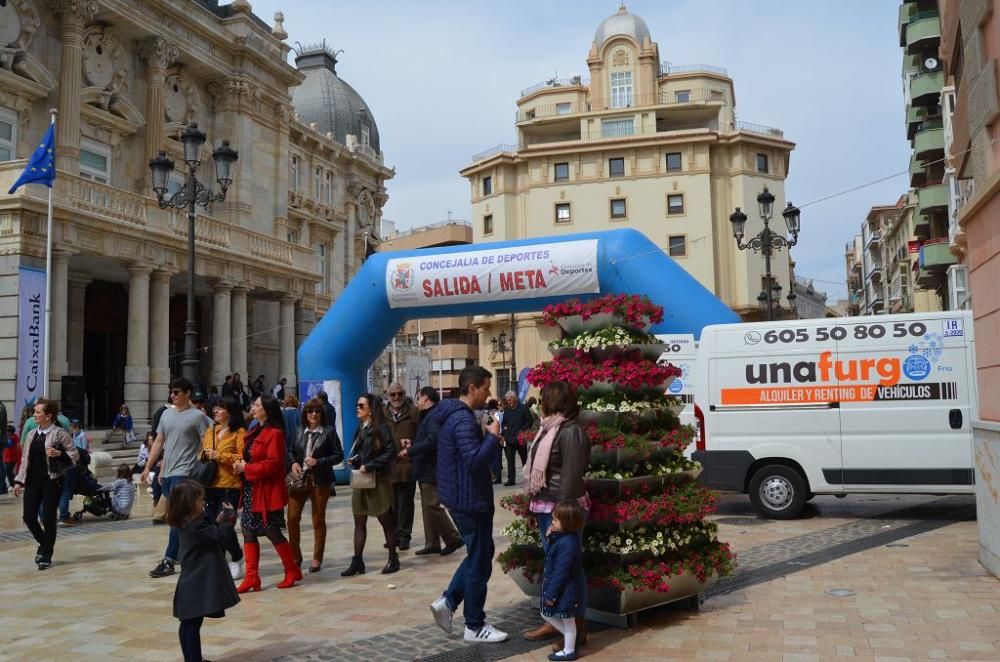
(955, 419)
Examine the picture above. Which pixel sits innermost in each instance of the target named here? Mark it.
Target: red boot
(251, 582)
(292, 572)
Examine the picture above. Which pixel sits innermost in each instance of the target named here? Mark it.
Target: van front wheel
(778, 492)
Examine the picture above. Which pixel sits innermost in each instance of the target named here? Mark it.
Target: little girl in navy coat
(205, 587)
(563, 574)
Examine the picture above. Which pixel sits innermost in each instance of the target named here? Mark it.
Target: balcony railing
(750, 127)
(493, 151)
(667, 69)
(555, 82)
(664, 97)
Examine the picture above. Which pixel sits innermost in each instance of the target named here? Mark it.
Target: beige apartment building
(638, 143)
(449, 343)
(126, 76)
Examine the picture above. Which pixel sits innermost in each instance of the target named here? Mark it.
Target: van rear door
(909, 420)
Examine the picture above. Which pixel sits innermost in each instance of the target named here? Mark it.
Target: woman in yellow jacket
(223, 443)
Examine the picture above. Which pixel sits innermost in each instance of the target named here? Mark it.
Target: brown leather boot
(543, 632)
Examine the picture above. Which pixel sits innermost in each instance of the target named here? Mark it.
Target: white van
(795, 408)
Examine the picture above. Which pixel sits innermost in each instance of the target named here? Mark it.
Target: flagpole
(48, 284)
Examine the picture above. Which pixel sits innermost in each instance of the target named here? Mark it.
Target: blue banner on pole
(31, 382)
(522, 384)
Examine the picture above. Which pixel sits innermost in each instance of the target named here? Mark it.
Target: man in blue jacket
(465, 487)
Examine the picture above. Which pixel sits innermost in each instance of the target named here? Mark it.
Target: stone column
(159, 340)
(137, 348)
(75, 14)
(238, 322)
(158, 53)
(339, 264)
(58, 365)
(75, 335)
(286, 342)
(221, 334)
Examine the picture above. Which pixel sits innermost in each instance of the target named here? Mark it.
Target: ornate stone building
(126, 76)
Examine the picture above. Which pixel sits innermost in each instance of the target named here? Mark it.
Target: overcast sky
(442, 81)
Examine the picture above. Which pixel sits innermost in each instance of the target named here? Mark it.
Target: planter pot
(643, 325)
(588, 416)
(626, 458)
(612, 601)
(599, 388)
(615, 488)
(652, 351)
(563, 352)
(574, 324)
(527, 586)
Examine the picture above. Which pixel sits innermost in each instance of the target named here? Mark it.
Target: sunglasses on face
(176, 392)
(397, 394)
(313, 411)
(362, 405)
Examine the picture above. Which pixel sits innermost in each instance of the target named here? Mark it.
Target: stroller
(95, 502)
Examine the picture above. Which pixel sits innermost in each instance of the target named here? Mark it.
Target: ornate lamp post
(191, 194)
(766, 242)
(500, 345)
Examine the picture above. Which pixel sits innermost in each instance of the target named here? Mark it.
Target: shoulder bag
(362, 480)
(205, 471)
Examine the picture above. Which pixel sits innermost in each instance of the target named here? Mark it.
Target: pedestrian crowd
(210, 466)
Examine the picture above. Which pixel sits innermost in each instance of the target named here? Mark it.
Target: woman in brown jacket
(48, 453)
(223, 443)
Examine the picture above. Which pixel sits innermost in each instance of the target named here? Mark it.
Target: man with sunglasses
(179, 432)
(403, 418)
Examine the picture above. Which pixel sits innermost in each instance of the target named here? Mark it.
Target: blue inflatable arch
(338, 352)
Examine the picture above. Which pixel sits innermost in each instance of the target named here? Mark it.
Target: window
(322, 268)
(674, 161)
(561, 172)
(293, 174)
(488, 224)
(317, 183)
(762, 163)
(682, 96)
(621, 89)
(616, 167)
(487, 185)
(328, 188)
(677, 246)
(675, 203)
(958, 288)
(95, 161)
(618, 209)
(365, 136)
(617, 128)
(8, 135)
(174, 184)
(563, 108)
(293, 236)
(562, 212)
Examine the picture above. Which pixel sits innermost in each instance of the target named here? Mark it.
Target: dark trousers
(497, 465)
(402, 503)
(468, 584)
(9, 467)
(214, 498)
(189, 633)
(512, 451)
(45, 494)
(69, 485)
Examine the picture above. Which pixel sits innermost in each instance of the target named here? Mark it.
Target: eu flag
(41, 168)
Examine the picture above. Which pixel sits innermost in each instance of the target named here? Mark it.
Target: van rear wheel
(778, 492)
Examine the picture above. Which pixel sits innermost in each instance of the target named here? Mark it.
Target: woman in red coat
(265, 494)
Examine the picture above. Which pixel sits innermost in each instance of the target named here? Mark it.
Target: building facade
(449, 343)
(126, 77)
(970, 50)
(810, 303)
(639, 144)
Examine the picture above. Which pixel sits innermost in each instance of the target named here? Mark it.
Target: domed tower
(326, 99)
(623, 62)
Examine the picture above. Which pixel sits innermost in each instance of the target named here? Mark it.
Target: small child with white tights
(563, 574)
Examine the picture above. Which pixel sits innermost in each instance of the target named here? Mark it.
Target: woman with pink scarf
(557, 461)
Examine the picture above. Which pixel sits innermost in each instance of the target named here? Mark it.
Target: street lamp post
(767, 241)
(500, 345)
(191, 194)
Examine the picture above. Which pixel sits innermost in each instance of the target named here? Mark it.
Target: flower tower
(647, 541)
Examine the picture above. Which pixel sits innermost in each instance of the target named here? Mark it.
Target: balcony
(935, 254)
(933, 198)
(667, 69)
(918, 172)
(906, 10)
(873, 239)
(928, 142)
(925, 88)
(575, 81)
(874, 270)
(502, 148)
(915, 116)
(696, 97)
(923, 31)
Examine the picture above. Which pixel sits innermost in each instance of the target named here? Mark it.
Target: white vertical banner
(31, 369)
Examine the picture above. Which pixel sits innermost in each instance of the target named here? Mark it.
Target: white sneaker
(486, 634)
(237, 568)
(443, 615)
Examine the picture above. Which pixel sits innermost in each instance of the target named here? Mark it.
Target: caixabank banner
(499, 273)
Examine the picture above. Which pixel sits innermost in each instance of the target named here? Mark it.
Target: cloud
(442, 81)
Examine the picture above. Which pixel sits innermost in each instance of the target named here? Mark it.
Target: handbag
(205, 471)
(59, 465)
(362, 480)
(299, 484)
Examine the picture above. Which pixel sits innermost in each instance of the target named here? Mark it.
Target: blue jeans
(544, 520)
(468, 584)
(173, 539)
(69, 484)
